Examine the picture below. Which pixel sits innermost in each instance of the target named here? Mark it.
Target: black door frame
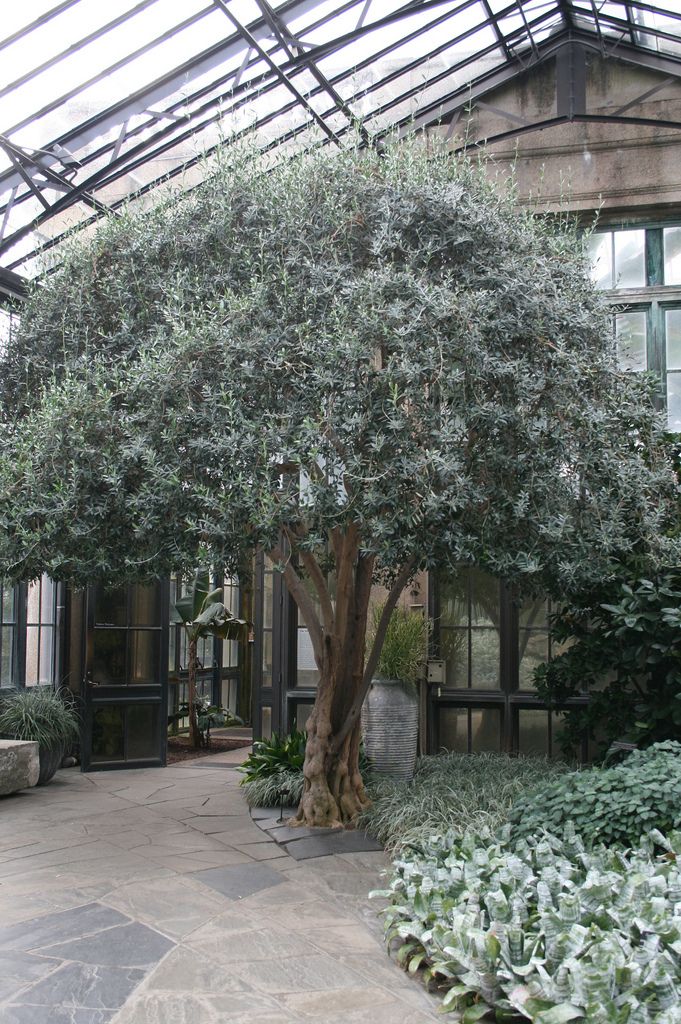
(126, 695)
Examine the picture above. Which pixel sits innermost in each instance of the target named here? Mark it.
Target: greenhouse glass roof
(101, 103)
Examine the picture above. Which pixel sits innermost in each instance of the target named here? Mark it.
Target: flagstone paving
(152, 897)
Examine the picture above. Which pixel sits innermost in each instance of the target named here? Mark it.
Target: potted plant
(390, 715)
(43, 715)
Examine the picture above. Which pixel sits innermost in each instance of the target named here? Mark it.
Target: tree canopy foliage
(429, 361)
(364, 363)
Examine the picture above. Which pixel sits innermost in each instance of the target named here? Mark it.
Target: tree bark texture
(333, 790)
(194, 734)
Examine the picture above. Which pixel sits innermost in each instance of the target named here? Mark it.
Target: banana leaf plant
(202, 613)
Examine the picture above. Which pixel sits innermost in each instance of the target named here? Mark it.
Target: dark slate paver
(302, 843)
(18, 969)
(272, 814)
(324, 846)
(126, 945)
(28, 1014)
(60, 926)
(85, 985)
(239, 881)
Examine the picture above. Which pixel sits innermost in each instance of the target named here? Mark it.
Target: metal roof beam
(160, 88)
(285, 80)
(13, 287)
(281, 32)
(25, 164)
(552, 122)
(439, 110)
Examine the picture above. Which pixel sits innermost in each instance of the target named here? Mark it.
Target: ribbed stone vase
(390, 726)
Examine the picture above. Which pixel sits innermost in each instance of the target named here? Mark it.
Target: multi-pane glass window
(535, 645)
(469, 630)
(641, 269)
(631, 331)
(491, 644)
(8, 633)
(126, 647)
(618, 259)
(469, 730)
(307, 673)
(267, 622)
(673, 355)
(41, 629)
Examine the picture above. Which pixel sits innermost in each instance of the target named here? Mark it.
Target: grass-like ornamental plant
(38, 713)
(404, 648)
(542, 930)
(610, 805)
(282, 788)
(453, 793)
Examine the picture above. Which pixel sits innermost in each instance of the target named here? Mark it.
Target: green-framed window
(640, 271)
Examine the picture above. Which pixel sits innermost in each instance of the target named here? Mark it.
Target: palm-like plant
(202, 613)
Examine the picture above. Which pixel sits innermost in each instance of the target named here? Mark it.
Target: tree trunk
(333, 790)
(194, 734)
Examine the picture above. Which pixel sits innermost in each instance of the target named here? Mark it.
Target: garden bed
(180, 749)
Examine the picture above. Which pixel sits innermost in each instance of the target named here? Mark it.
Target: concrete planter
(390, 726)
(19, 765)
(50, 759)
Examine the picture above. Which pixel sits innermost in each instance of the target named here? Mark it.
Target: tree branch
(303, 600)
(370, 667)
(321, 587)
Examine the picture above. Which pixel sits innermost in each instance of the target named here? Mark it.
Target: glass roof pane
(19, 16)
(459, 24)
(160, 59)
(104, 101)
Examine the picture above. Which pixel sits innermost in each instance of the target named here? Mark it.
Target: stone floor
(152, 897)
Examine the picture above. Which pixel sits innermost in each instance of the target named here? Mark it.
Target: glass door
(126, 678)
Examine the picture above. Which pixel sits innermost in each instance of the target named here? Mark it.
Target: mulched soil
(180, 750)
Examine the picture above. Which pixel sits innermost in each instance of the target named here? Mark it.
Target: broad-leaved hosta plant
(543, 930)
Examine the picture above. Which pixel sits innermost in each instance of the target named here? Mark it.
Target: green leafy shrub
(542, 929)
(273, 772)
(610, 805)
(269, 756)
(459, 792)
(625, 648)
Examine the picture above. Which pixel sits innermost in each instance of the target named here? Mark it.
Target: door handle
(91, 684)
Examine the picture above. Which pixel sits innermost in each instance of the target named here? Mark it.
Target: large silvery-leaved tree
(363, 364)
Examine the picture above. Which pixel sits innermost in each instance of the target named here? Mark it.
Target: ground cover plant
(543, 929)
(363, 364)
(614, 804)
(453, 793)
